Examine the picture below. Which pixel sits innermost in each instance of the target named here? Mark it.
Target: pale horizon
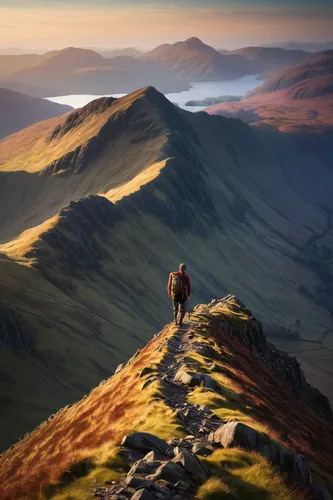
(49, 25)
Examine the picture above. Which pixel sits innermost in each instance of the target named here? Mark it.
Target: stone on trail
(170, 472)
(143, 495)
(201, 449)
(191, 464)
(191, 379)
(138, 482)
(140, 467)
(236, 434)
(145, 441)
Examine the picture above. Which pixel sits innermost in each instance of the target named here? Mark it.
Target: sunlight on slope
(18, 248)
(22, 151)
(147, 175)
(240, 474)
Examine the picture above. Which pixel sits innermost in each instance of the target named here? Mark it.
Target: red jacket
(186, 282)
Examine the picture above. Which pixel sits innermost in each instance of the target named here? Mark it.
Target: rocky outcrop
(237, 434)
(251, 335)
(77, 117)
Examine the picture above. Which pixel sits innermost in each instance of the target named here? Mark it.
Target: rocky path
(173, 469)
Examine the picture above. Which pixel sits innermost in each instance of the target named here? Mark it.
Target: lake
(198, 91)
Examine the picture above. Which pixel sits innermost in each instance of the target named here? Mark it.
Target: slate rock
(200, 449)
(192, 465)
(210, 383)
(236, 434)
(170, 472)
(145, 441)
(143, 495)
(191, 379)
(140, 467)
(138, 482)
(183, 486)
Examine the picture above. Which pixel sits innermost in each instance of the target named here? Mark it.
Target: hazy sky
(108, 23)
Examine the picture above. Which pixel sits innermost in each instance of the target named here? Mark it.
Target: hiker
(179, 288)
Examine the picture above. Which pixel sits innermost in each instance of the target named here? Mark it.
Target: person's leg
(182, 311)
(175, 310)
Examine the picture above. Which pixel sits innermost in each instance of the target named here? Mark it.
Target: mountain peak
(194, 43)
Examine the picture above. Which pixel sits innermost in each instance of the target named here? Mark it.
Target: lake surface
(198, 91)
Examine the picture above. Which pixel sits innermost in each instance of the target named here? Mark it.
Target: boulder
(152, 456)
(170, 471)
(210, 383)
(191, 379)
(138, 482)
(236, 434)
(192, 465)
(145, 441)
(183, 486)
(201, 449)
(140, 467)
(143, 495)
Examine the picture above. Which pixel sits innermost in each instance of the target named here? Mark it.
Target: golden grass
(240, 474)
(18, 247)
(89, 429)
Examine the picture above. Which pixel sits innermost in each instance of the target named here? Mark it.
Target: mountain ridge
(213, 361)
(191, 199)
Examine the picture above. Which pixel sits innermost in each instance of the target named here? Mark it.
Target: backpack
(177, 284)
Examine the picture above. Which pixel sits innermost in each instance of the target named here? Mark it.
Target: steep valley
(97, 207)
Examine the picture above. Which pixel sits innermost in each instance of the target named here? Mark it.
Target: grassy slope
(293, 99)
(93, 428)
(85, 316)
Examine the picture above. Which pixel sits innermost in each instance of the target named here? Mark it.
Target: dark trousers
(179, 304)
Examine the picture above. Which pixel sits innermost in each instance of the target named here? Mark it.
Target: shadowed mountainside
(20, 111)
(298, 98)
(199, 411)
(308, 46)
(266, 60)
(83, 282)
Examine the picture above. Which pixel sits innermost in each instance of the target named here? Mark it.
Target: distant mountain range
(18, 111)
(169, 68)
(307, 46)
(295, 98)
(265, 60)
